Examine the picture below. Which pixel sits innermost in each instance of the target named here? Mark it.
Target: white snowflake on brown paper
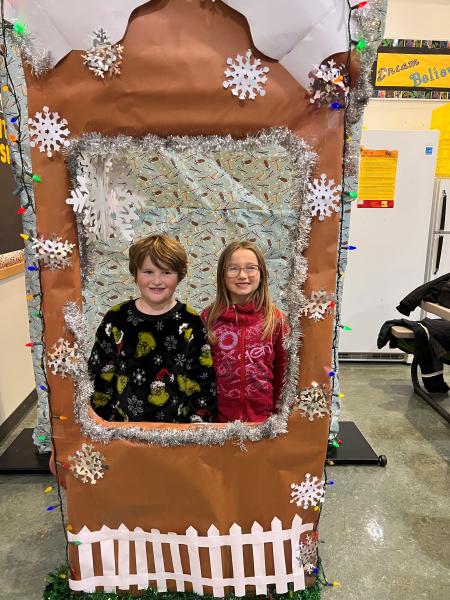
(48, 131)
(309, 492)
(319, 305)
(88, 464)
(103, 57)
(53, 253)
(63, 358)
(324, 197)
(245, 77)
(312, 403)
(307, 554)
(329, 83)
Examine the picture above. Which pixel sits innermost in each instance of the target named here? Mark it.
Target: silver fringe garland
(304, 159)
(37, 59)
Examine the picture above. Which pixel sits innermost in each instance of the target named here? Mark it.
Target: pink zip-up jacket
(249, 370)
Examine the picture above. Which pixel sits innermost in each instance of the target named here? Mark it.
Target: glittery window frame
(304, 160)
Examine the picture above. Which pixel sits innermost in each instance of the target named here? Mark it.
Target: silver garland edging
(305, 160)
(21, 164)
(367, 23)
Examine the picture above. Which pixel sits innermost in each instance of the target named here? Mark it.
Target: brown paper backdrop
(175, 54)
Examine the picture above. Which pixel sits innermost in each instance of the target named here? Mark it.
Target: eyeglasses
(250, 271)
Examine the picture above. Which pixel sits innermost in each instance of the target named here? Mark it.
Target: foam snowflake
(329, 83)
(308, 493)
(53, 253)
(312, 403)
(63, 358)
(244, 77)
(48, 131)
(307, 554)
(106, 205)
(103, 57)
(323, 197)
(319, 305)
(88, 464)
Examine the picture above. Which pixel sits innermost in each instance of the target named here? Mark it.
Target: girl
(246, 332)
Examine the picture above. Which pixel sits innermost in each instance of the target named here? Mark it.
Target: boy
(151, 360)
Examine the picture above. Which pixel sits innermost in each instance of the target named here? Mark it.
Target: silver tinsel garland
(37, 59)
(304, 160)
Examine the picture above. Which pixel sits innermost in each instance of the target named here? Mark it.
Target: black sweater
(152, 368)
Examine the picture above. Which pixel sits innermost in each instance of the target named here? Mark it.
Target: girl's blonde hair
(261, 296)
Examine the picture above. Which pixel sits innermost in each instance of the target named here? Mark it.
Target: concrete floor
(385, 532)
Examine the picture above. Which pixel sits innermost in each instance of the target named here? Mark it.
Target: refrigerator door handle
(441, 228)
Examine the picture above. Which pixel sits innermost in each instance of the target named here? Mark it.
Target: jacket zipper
(244, 415)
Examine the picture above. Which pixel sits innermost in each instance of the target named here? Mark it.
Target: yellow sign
(4, 148)
(415, 70)
(377, 175)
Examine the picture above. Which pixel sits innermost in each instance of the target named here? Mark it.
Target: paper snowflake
(88, 464)
(63, 358)
(48, 131)
(308, 493)
(103, 57)
(312, 403)
(53, 253)
(307, 554)
(329, 83)
(107, 206)
(319, 305)
(323, 197)
(244, 77)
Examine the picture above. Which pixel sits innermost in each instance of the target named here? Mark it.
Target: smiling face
(242, 275)
(157, 286)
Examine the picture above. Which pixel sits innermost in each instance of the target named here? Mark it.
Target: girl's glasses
(250, 271)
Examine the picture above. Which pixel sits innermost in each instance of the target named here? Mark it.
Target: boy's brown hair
(162, 251)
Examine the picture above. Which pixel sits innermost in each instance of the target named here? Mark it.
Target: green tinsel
(58, 589)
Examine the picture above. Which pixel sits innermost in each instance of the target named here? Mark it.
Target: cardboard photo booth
(211, 122)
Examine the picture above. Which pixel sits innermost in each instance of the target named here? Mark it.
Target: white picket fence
(116, 574)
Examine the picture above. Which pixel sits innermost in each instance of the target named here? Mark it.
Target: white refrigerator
(393, 243)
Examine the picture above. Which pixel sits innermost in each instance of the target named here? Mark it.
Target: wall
(410, 19)
(16, 369)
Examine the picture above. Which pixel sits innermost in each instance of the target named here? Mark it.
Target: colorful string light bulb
(345, 327)
(24, 236)
(19, 28)
(361, 45)
(21, 210)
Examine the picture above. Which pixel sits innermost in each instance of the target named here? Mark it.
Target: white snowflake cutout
(107, 206)
(244, 77)
(53, 253)
(328, 83)
(318, 305)
(323, 197)
(88, 464)
(48, 131)
(103, 57)
(312, 403)
(307, 554)
(63, 358)
(308, 493)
